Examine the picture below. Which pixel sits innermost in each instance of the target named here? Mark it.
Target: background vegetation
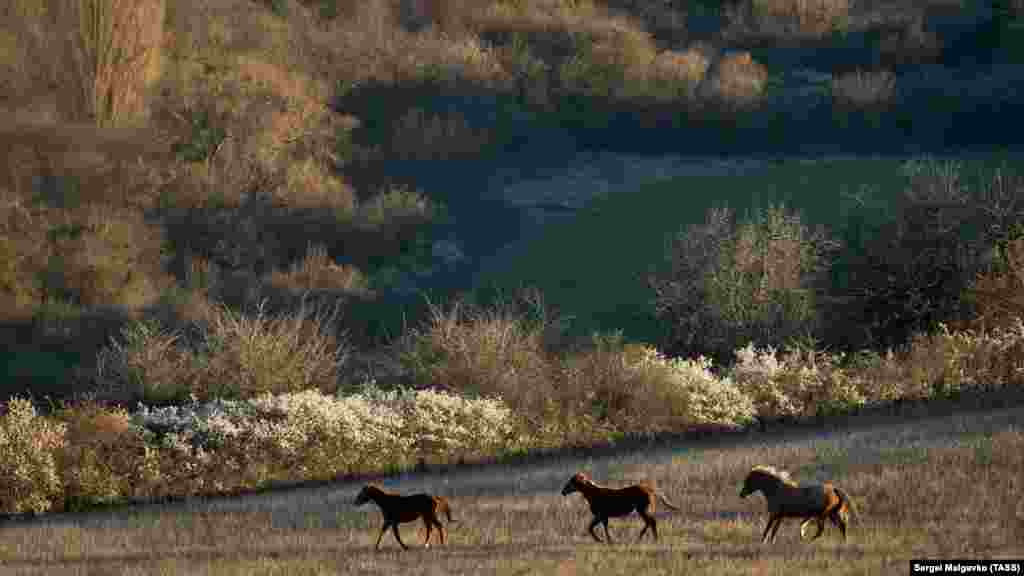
(209, 214)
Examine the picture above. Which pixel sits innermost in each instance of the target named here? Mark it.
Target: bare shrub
(317, 271)
(235, 357)
(310, 184)
(111, 55)
(105, 459)
(678, 73)
(250, 356)
(420, 135)
(634, 389)
(487, 352)
(789, 18)
(736, 80)
(863, 90)
(28, 61)
(370, 45)
(730, 284)
(947, 362)
(910, 43)
(395, 207)
(148, 365)
(90, 256)
(100, 258)
(911, 271)
(29, 469)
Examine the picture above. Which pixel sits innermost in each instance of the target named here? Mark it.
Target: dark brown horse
(787, 499)
(399, 509)
(606, 503)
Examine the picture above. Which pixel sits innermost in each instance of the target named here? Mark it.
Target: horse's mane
(780, 475)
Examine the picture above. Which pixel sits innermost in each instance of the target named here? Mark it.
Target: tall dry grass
(481, 351)
(788, 18)
(225, 354)
(109, 53)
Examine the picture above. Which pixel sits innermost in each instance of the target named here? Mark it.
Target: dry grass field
(925, 486)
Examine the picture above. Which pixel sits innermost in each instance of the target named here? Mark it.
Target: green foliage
(205, 138)
(586, 74)
(278, 7)
(731, 283)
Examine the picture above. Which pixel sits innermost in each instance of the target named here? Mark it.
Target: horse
(607, 502)
(787, 499)
(398, 509)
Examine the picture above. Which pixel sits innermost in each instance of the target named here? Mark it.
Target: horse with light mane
(788, 499)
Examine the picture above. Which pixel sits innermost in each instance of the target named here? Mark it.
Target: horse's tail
(446, 508)
(846, 503)
(665, 501)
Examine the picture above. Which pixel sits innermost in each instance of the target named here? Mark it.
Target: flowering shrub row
(89, 454)
(92, 455)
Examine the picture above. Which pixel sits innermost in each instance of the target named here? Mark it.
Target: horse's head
(749, 486)
(574, 483)
(764, 478)
(364, 495)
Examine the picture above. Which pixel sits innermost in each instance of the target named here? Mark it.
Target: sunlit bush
(796, 383)
(701, 396)
(236, 356)
(29, 476)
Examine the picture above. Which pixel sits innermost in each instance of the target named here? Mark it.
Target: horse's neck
(591, 489)
(382, 496)
(772, 488)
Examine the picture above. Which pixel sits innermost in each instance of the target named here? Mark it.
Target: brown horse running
(787, 499)
(606, 503)
(399, 509)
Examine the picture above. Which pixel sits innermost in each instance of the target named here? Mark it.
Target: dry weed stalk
(110, 55)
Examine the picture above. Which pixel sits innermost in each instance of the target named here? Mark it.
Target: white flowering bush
(328, 433)
(799, 382)
(309, 434)
(704, 398)
(30, 480)
(441, 423)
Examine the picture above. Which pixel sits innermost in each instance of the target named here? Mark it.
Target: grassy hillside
(594, 268)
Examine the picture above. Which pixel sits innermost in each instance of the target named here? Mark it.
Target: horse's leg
(767, 528)
(775, 530)
(593, 524)
(608, 535)
(840, 522)
(381, 535)
(394, 530)
(649, 522)
(440, 528)
(427, 523)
